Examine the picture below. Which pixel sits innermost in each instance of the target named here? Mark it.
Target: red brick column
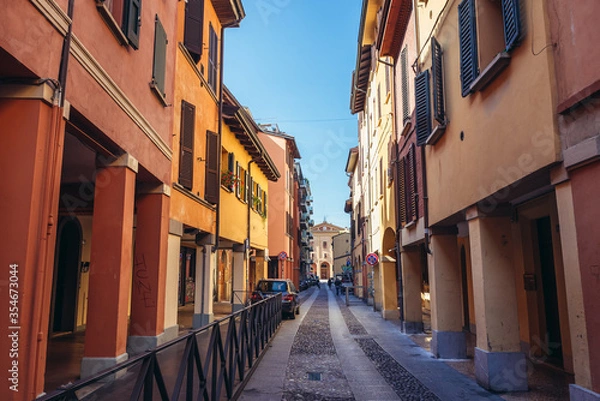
(149, 270)
(110, 266)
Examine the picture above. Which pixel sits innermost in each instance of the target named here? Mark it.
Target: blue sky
(291, 63)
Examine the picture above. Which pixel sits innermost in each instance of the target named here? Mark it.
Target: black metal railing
(211, 363)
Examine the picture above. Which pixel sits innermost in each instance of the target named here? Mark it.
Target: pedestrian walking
(338, 285)
(329, 281)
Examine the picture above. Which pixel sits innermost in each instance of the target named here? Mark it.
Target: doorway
(550, 304)
(66, 276)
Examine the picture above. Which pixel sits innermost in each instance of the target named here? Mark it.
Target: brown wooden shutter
(193, 31)
(186, 144)
(211, 184)
(401, 195)
(412, 184)
(213, 45)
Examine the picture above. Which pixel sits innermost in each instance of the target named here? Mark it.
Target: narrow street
(335, 352)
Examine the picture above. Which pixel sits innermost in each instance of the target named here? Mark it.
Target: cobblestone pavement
(332, 352)
(406, 386)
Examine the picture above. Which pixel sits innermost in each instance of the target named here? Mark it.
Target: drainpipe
(64, 57)
(425, 200)
(250, 203)
(219, 133)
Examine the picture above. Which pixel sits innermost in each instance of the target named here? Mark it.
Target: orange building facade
(86, 164)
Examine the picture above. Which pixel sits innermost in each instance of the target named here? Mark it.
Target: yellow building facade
(485, 114)
(246, 169)
(194, 210)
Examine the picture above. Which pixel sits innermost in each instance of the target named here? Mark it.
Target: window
(186, 144)
(123, 19)
(213, 49)
(422, 107)
(404, 82)
(159, 64)
(241, 189)
(324, 244)
(437, 72)
(378, 102)
(193, 31)
(211, 183)
(387, 78)
(228, 179)
(486, 43)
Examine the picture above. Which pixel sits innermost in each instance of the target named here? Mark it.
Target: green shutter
(159, 65)
(511, 15)
(437, 72)
(193, 31)
(212, 182)
(422, 107)
(132, 21)
(467, 30)
(186, 143)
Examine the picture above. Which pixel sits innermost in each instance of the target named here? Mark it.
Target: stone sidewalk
(334, 352)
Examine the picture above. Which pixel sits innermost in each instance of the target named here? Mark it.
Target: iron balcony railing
(211, 363)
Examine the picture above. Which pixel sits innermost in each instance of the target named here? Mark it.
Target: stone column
(206, 261)
(239, 277)
(149, 270)
(579, 216)
(411, 290)
(172, 280)
(389, 309)
(448, 339)
(499, 363)
(110, 266)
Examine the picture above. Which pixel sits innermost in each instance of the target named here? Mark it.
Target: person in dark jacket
(329, 282)
(338, 286)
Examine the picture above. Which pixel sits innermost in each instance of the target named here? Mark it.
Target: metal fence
(211, 363)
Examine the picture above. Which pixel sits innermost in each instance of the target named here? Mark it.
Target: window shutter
(423, 107)
(238, 185)
(405, 103)
(160, 57)
(132, 22)
(467, 30)
(412, 184)
(230, 162)
(186, 144)
(194, 21)
(213, 45)
(512, 23)
(211, 183)
(401, 174)
(437, 72)
(264, 203)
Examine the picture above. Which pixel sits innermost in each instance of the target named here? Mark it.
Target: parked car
(289, 294)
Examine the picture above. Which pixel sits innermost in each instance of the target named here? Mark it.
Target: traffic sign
(282, 255)
(372, 259)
